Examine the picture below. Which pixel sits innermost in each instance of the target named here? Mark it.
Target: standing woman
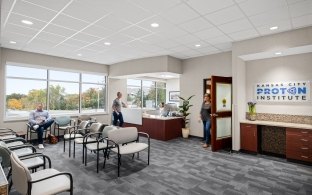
(205, 112)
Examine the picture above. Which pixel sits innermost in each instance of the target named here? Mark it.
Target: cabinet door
(249, 138)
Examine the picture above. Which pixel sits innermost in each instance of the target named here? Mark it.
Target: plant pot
(252, 117)
(185, 132)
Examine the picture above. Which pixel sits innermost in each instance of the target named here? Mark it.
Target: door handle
(214, 115)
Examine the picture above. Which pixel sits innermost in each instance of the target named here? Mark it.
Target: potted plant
(184, 110)
(252, 111)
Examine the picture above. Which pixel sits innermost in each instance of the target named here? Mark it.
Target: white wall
(172, 85)
(270, 43)
(191, 81)
(288, 68)
(40, 60)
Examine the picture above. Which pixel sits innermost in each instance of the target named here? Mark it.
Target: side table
(21, 134)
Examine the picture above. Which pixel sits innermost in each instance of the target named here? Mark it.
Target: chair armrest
(85, 138)
(14, 140)
(23, 146)
(143, 134)
(34, 155)
(58, 174)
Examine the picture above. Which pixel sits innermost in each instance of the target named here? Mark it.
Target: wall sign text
(297, 91)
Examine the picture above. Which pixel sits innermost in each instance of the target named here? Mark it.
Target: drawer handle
(305, 140)
(304, 157)
(305, 148)
(304, 132)
(248, 126)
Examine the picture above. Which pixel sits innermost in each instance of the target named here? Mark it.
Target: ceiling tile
(8, 36)
(224, 46)
(225, 15)
(144, 46)
(253, 7)
(293, 1)
(78, 10)
(116, 39)
(302, 21)
(236, 26)
(156, 6)
(135, 32)
(97, 47)
(186, 39)
(245, 34)
(282, 26)
(179, 14)
(154, 38)
(164, 24)
(55, 5)
(209, 33)
(131, 13)
(75, 42)
(21, 30)
(64, 48)
(69, 22)
(301, 8)
(168, 44)
(275, 15)
(59, 30)
(17, 19)
(39, 45)
(6, 5)
(31, 10)
(85, 37)
(209, 6)
(50, 37)
(98, 31)
(172, 32)
(207, 50)
(220, 39)
(196, 25)
(113, 23)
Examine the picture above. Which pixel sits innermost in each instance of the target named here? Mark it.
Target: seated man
(40, 120)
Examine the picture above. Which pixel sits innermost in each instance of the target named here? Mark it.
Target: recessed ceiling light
(274, 28)
(79, 54)
(13, 42)
(107, 43)
(278, 53)
(27, 22)
(154, 25)
(197, 45)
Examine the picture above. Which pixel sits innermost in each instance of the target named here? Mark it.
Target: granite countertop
(279, 124)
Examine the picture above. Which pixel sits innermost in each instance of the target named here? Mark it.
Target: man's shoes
(40, 146)
(35, 127)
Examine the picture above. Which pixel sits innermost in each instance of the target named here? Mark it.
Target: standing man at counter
(117, 104)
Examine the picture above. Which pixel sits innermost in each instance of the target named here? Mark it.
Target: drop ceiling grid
(183, 23)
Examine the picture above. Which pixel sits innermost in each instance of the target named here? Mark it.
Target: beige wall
(288, 68)
(146, 65)
(21, 57)
(191, 81)
(280, 41)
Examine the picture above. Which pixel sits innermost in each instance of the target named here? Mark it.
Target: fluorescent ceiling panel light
(274, 28)
(154, 25)
(13, 42)
(107, 43)
(278, 53)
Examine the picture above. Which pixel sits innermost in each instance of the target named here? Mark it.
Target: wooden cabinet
(299, 144)
(249, 137)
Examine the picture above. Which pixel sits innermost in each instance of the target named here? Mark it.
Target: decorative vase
(185, 132)
(252, 116)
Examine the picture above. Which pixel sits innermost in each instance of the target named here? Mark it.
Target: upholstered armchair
(62, 123)
(125, 141)
(47, 181)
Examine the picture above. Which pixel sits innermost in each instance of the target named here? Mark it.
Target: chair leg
(148, 155)
(74, 155)
(83, 149)
(105, 154)
(86, 157)
(64, 144)
(133, 155)
(118, 163)
(69, 147)
(97, 161)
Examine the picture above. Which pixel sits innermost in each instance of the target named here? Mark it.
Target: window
(146, 94)
(67, 92)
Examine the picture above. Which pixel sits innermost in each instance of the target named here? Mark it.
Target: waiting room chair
(32, 161)
(86, 118)
(75, 132)
(98, 145)
(62, 123)
(47, 181)
(6, 133)
(30, 131)
(20, 150)
(126, 141)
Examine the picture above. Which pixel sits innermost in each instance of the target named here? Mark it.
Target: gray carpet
(182, 166)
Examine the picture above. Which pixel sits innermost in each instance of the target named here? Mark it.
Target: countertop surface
(160, 117)
(279, 124)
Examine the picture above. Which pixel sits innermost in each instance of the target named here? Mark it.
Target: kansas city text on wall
(296, 91)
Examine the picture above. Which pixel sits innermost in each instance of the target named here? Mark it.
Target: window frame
(47, 80)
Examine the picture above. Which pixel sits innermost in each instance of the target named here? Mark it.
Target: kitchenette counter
(278, 124)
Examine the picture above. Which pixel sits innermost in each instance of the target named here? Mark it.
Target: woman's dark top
(205, 111)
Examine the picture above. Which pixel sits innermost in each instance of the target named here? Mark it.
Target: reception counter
(160, 128)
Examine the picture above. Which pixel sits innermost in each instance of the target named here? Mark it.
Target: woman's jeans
(206, 127)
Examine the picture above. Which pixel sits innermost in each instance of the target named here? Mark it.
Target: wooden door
(221, 113)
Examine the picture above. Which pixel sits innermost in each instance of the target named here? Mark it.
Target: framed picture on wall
(174, 96)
